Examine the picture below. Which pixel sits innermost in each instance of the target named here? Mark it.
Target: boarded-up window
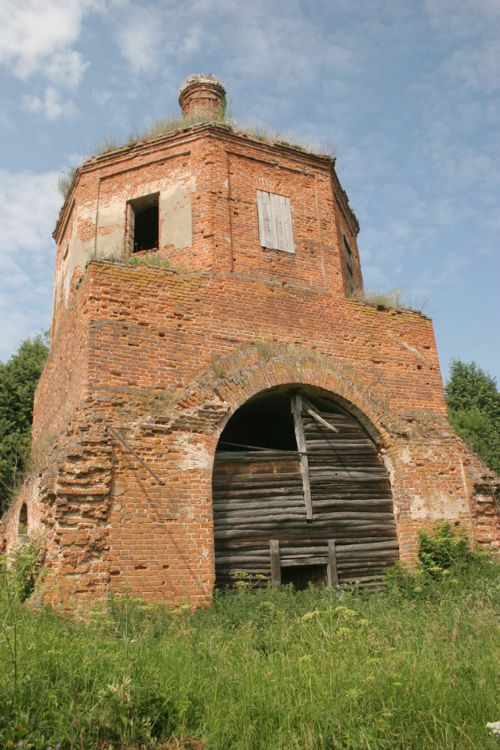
(275, 222)
(348, 259)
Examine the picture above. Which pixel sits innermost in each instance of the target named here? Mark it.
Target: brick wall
(160, 358)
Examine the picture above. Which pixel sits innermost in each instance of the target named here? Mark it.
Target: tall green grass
(410, 668)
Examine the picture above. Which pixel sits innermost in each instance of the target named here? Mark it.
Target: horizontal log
(295, 501)
(264, 530)
(296, 540)
(286, 525)
(247, 516)
(260, 456)
(256, 481)
(348, 555)
(295, 563)
(373, 559)
(340, 548)
(271, 492)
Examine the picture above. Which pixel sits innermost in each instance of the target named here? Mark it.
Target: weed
(445, 549)
(65, 180)
(391, 300)
(158, 402)
(271, 668)
(173, 124)
(22, 566)
(264, 350)
(217, 366)
(147, 260)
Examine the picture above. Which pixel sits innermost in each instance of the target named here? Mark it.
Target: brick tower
(217, 396)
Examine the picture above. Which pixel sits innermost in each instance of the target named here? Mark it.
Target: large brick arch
(209, 401)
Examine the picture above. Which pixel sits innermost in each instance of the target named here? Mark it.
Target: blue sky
(405, 92)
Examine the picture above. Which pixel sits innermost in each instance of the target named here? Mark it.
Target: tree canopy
(18, 379)
(473, 403)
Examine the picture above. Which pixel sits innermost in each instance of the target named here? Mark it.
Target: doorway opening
(301, 493)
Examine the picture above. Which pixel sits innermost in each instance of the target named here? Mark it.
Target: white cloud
(28, 209)
(51, 105)
(40, 33)
(66, 68)
(37, 41)
(259, 39)
(461, 19)
(477, 66)
(139, 39)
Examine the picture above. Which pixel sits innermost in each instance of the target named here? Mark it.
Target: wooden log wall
(258, 496)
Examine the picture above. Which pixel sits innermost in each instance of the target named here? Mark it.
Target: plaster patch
(196, 456)
(111, 229)
(78, 255)
(175, 217)
(405, 456)
(406, 345)
(438, 507)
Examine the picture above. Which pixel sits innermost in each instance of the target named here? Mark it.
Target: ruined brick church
(218, 396)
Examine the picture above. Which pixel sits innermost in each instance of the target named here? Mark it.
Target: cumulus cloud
(37, 42)
(28, 208)
(259, 39)
(51, 105)
(139, 39)
(39, 34)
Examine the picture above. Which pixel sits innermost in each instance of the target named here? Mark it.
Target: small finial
(203, 96)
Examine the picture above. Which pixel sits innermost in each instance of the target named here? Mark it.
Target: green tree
(473, 403)
(18, 379)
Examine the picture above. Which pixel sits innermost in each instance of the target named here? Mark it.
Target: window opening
(22, 529)
(349, 267)
(145, 222)
(275, 222)
(264, 421)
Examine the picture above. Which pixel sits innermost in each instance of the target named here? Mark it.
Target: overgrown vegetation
(18, 379)
(23, 565)
(412, 667)
(172, 124)
(390, 300)
(473, 403)
(147, 260)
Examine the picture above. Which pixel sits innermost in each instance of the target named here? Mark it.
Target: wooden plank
(331, 570)
(258, 497)
(311, 410)
(274, 549)
(296, 563)
(289, 244)
(301, 445)
(264, 212)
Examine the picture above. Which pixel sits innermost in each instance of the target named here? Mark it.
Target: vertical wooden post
(275, 562)
(331, 570)
(301, 445)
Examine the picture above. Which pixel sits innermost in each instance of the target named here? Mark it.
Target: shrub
(20, 568)
(444, 548)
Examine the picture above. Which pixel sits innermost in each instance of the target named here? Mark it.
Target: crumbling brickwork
(147, 364)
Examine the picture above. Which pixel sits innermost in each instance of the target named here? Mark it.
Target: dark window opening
(264, 422)
(146, 222)
(349, 266)
(303, 575)
(22, 529)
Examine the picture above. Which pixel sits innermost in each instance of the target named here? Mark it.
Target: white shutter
(275, 221)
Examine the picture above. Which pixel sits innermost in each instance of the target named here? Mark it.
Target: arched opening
(301, 494)
(22, 527)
